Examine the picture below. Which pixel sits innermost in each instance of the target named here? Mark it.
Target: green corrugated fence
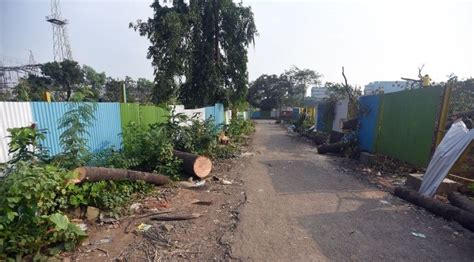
(142, 114)
(406, 124)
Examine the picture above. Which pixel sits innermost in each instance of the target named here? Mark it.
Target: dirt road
(301, 208)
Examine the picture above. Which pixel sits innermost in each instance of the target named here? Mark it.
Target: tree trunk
(461, 201)
(95, 174)
(447, 211)
(196, 165)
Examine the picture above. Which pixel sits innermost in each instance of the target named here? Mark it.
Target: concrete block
(414, 182)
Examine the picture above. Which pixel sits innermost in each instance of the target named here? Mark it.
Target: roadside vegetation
(38, 192)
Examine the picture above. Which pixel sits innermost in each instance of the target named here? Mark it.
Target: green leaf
(76, 230)
(60, 221)
(11, 215)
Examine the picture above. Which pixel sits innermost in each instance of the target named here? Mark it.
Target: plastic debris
(135, 206)
(420, 235)
(384, 202)
(143, 227)
(82, 226)
(226, 182)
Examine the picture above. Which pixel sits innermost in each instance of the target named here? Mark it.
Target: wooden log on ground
(335, 148)
(350, 124)
(95, 174)
(196, 165)
(466, 219)
(456, 199)
(175, 217)
(335, 137)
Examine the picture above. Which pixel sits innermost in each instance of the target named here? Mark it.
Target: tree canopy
(288, 88)
(199, 51)
(63, 79)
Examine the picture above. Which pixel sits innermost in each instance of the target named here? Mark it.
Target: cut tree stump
(95, 174)
(196, 165)
(466, 219)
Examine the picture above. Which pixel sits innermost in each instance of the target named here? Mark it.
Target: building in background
(319, 93)
(385, 87)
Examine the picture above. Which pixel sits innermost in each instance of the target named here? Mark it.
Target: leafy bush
(74, 138)
(150, 149)
(200, 137)
(30, 219)
(238, 127)
(25, 144)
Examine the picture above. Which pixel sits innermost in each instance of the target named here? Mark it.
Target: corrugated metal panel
(368, 117)
(104, 132)
(325, 121)
(228, 116)
(256, 114)
(407, 124)
(219, 111)
(106, 129)
(209, 110)
(152, 114)
(47, 115)
(12, 114)
(340, 114)
(296, 113)
(129, 113)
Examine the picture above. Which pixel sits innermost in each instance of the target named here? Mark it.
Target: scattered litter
(291, 128)
(226, 182)
(143, 227)
(102, 241)
(187, 184)
(82, 226)
(107, 220)
(200, 183)
(420, 235)
(379, 174)
(135, 206)
(167, 227)
(246, 154)
(385, 202)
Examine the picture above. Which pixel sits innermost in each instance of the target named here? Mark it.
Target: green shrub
(25, 144)
(200, 137)
(30, 218)
(239, 127)
(150, 149)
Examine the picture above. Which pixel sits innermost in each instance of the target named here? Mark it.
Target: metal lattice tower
(61, 47)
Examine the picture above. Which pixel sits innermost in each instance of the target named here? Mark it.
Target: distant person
(425, 80)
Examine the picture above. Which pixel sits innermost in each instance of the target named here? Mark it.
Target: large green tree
(288, 88)
(66, 77)
(94, 80)
(199, 51)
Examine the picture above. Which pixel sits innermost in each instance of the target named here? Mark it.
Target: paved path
(300, 208)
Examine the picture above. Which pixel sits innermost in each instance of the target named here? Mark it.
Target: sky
(373, 40)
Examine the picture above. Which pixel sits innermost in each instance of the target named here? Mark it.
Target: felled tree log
(350, 124)
(466, 219)
(335, 136)
(95, 174)
(196, 165)
(456, 199)
(331, 148)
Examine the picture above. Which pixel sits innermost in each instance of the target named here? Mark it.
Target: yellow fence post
(444, 113)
